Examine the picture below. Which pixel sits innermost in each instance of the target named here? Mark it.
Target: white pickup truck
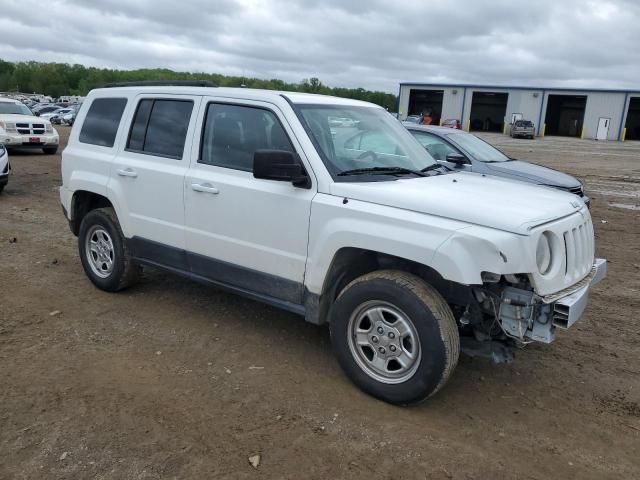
(353, 225)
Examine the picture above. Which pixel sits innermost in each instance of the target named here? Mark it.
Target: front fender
(468, 252)
(354, 224)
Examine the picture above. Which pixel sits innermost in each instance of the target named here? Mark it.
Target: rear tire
(394, 336)
(50, 150)
(103, 251)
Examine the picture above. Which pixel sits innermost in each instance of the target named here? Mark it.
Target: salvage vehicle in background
(451, 123)
(5, 167)
(249, 190)
(41, 109)
(69, 118)
(522, 128)
(463, 151)
(20, 128)
(417, 119)
(55, 116)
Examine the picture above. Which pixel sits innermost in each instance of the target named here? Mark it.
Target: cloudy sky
(370, 43)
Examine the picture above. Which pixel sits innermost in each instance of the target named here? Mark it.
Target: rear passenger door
(242, 231)
(147, 176)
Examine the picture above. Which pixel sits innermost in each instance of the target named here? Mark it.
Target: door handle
(127, 172)
(205, 188)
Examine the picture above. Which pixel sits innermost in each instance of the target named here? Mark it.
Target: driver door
(245, 232)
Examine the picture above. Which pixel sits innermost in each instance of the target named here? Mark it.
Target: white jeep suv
(351, 225)
(19, 127)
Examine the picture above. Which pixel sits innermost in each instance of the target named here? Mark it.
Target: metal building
(585, 113)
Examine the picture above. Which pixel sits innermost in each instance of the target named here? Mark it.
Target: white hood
(468, 197)
(22, 118)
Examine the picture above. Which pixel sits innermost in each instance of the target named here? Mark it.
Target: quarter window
(232, 133)
(160, 127)
(101, 123)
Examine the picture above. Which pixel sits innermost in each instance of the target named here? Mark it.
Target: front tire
(50, 150)
(394, 336)
(103, 251)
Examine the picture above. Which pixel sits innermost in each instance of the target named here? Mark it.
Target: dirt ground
(175, 380)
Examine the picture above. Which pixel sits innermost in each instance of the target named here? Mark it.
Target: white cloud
(374, 44)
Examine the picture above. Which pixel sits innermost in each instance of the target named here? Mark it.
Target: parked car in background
(55, 116)
(451, 123)
(5, 167)
(70, 118)
(20, 128)
(361, 230)
(417, 119)
(463, 151)
(46, 108)
(522, 128)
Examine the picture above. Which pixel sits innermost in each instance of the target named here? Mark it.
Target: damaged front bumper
(526, 317)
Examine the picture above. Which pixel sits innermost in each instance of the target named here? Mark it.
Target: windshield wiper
(381, 171)
(433, 167)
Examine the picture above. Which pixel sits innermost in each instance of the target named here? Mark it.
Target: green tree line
(57, 79)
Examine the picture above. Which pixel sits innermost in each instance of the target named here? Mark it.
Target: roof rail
(162, 83)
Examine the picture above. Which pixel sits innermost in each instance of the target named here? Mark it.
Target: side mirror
(457, 158)
(280, 165)
(37, 114)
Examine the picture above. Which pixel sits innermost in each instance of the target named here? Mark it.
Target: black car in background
(460, 150)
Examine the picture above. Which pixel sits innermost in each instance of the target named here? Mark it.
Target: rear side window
(232, 133)
(101, 123)
(160, 127)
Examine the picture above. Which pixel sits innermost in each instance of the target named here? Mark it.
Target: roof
(244, 93)
(9, 100)
(517, 87)
(431, 128)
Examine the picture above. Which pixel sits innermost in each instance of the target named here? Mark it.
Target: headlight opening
(544, 254)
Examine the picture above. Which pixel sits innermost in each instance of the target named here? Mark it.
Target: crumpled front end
(525, 316)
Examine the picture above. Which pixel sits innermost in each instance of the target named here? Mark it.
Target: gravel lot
(175, 380)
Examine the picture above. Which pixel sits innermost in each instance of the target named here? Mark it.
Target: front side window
(437, 147)
(232, 133)
(160, 127)
(366, 138)
(101, 123)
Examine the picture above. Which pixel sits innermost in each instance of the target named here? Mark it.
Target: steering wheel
(368, 153)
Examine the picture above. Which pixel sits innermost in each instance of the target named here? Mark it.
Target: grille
(30, 129)
(578, 243)
(576, 191)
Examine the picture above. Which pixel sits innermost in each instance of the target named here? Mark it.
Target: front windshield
(9, 108)
(353, 138)
(477, 148)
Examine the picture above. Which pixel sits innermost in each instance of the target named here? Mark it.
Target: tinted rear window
(523, 123)
(160, 127)
(101, 123)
